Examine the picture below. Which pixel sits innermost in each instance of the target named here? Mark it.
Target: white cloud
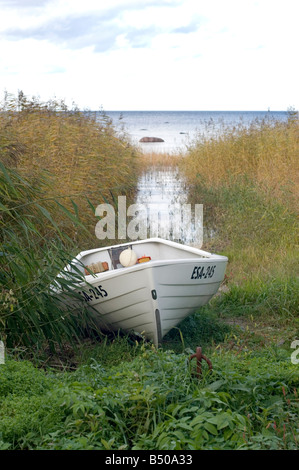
(150, 54)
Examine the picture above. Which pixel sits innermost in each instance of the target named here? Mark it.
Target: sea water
(178, 129)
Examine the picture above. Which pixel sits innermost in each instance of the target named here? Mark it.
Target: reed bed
(56, 166)
(87, 161)
(247, 181)
(150, 160)
(265, 152)
(33, 250)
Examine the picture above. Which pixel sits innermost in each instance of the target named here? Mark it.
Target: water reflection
(169, 215)
(161, 186)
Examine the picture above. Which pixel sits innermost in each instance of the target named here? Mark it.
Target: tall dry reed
(247, 179)
(150, 160)
(83, 153)
(266, 152)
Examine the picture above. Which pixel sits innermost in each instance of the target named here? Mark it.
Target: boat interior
(104, 259)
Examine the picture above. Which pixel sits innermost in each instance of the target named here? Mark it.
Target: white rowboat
(168, 283)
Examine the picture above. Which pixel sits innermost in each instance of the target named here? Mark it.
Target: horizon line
(194, 110)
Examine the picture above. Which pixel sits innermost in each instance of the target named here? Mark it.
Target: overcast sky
(152, 54)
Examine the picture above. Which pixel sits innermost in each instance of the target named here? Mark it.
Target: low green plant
(200, 329)
(153, 401)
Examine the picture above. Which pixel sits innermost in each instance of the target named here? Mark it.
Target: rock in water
(151, 139)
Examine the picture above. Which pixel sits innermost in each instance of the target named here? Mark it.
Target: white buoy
(128, 257)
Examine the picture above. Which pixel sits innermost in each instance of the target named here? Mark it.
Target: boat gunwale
(203, 256)
(176, 245)
(148, 265)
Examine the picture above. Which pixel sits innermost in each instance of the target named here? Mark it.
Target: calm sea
(179, 128)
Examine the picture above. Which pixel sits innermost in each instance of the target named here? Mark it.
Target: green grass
(258, 234)
(152, 400)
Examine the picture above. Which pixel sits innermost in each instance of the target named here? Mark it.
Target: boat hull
(153, 297)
